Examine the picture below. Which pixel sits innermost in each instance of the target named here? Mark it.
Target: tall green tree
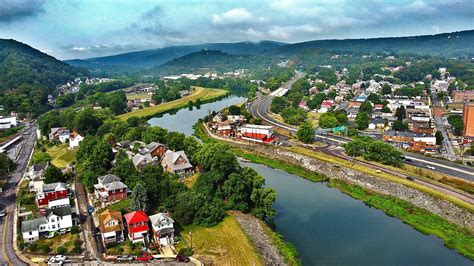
(362, 120)
(139, 198)
(305, 132)
(401, 113)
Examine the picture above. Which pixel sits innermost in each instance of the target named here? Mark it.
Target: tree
(386, 89)
(439, 138)
(385, 109)
(278, 104)
(400, 126)
(234, 110)
(6, 164)
(401, 113)
(458, 124)
(305, 132)
(139, 198)
(125, 169)
(87, 122)
(328, 120)
(362, 120)
(53, 174)
(218, 157)
(366, 107)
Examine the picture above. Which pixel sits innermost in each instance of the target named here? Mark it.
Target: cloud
(12, 10)
(286, 32)
(233, 16)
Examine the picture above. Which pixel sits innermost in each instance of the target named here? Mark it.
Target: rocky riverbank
(261, 241)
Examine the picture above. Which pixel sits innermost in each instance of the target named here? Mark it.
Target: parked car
(124, 258)
(182, 258)
(60, 258)
(62, 232)
(144, 257)
(2, 212)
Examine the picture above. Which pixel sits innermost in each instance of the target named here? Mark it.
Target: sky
(70, 29)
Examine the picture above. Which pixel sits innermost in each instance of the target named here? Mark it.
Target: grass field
(225, 243)
(203, 94)
(453, 235)
(61, 155)
(363, 169)
(141, 95)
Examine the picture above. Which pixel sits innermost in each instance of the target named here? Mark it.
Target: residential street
(8, 198)
(448, 151)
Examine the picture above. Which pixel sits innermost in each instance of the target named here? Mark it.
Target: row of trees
(374, 150)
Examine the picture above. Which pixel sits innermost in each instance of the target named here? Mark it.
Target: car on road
(3, 212)
(60, 258)
(430, 167)
(124, 258)
(182, 258)
(410, 178)
(408, 160)
(144, 257)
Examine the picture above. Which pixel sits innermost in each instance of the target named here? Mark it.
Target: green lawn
(225, 243)
(61, 155)
(120, 205)
(203, 94)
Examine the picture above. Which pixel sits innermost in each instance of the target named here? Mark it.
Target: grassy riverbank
(454, 236)
(204, 95)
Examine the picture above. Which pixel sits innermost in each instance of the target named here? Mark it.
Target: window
(54, 226)
(31, 233)
(52, 220)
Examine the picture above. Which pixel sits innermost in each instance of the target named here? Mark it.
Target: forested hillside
(206, 60)
(156, 57)
(456, 44)
(27, 76)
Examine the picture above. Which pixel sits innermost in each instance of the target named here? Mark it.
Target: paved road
(448, 150)
(8, 198)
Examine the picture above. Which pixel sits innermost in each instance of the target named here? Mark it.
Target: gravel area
(262, 243)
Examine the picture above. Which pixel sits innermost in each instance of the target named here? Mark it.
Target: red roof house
(137, 224)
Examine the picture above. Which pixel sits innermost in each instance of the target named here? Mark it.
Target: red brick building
(468, 117)
(109, 188)
(462, 96)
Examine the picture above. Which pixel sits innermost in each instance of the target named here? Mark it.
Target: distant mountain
(156, 57)
(455, 44)
(21, 64)
(206, 60)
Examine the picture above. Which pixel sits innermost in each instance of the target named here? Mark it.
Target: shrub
(61, 250)
(75, 230)
(186, 251)
(33, 247)
(44, 249)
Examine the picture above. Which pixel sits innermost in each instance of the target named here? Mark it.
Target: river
(184, 120)
(326, 226)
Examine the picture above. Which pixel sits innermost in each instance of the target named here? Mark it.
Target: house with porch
(109, 189)
(137, 226)
(111, 226)
(163, 230)
(52, 191)
(177, 163)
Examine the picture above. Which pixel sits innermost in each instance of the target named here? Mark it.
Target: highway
(8, 198)
(260, 108)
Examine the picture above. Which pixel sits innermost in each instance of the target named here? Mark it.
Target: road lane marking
(440, 165)
(4, 247)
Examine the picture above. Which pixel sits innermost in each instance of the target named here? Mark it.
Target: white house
(64, 202)
(55, 219)
(75, 140)
(8, 122)
(31, 229)
(163, 230)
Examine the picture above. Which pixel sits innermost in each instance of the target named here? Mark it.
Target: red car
(144, 257)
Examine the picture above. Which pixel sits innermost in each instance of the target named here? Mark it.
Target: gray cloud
(12, 10)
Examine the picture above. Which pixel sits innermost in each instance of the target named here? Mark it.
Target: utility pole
(191, 236)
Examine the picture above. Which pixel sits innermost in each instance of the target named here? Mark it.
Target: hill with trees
(28, 75)
(156, 57)
(455, 44)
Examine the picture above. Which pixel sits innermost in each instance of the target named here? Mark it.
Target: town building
(256, 133)
(75, 139)
(177, 163)
(51, 191)
(468, 119)
(36, 172)
(137, 224)
(59, 133)
(111, 226)
(155, 149)
(458, 96)
(8, 122)
(31, 229)
(163, 230)
(109, 189)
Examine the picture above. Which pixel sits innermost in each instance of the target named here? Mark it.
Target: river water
(326, 226)
(184, 120)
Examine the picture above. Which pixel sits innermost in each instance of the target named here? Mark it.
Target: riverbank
(433, 216)
(204, 95)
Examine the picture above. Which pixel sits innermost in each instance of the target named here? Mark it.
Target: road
(448, 150)
(260, 108)
(8, 198)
